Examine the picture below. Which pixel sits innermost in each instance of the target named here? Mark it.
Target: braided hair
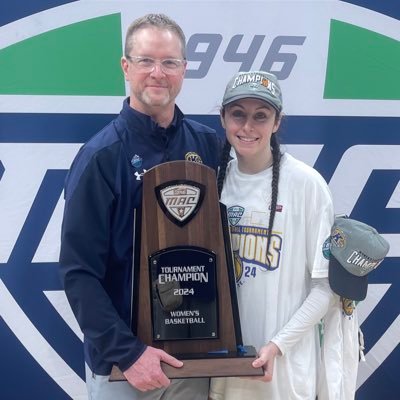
(223, 165)
(276, 161)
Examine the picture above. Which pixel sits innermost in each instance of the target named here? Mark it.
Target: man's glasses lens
(171, 66)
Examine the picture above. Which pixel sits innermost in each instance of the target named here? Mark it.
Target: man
(103, 188)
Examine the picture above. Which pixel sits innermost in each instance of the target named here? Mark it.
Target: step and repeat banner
(60, 82)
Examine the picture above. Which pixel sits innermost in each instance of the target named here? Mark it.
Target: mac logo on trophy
(180, 200)
(184, 281)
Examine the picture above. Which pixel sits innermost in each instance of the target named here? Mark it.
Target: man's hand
(146, 373)
(266, 360)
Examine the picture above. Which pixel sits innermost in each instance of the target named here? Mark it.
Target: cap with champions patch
(255, 84)
(356, 250)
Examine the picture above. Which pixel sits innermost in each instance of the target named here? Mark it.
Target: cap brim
(346, 284)
(251, 96)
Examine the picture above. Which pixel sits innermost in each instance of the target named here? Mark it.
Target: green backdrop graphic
(361, 64)
(78, 59)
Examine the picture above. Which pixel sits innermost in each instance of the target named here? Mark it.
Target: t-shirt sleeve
(319, 220)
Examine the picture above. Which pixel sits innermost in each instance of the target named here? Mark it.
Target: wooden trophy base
(201, 365)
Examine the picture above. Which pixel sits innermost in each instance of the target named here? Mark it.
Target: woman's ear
(222, 116)
(277, 123)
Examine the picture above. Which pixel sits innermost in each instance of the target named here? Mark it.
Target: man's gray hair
(160, 21)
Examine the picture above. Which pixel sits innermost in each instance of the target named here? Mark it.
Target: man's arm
(85, 241)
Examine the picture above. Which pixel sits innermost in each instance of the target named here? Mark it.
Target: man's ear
(125, 67)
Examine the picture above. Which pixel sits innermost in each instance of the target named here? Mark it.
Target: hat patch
(338, 238)
(254, 80)
(363, 261)
(357, 258)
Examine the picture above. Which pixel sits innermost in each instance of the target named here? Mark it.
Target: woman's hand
(266, 359)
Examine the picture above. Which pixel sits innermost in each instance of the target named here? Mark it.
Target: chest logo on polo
(194, 157)
(136, 161)
(180, 200)
(234, 214)
(140, 174)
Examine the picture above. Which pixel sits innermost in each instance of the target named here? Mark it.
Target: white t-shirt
(269, 293)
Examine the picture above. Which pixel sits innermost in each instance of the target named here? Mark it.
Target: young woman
(280, 212)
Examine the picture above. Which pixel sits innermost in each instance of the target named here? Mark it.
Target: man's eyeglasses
(170, 66)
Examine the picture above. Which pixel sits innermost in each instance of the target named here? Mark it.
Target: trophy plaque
(184, 291)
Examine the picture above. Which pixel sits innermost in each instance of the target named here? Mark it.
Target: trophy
(184, 290)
